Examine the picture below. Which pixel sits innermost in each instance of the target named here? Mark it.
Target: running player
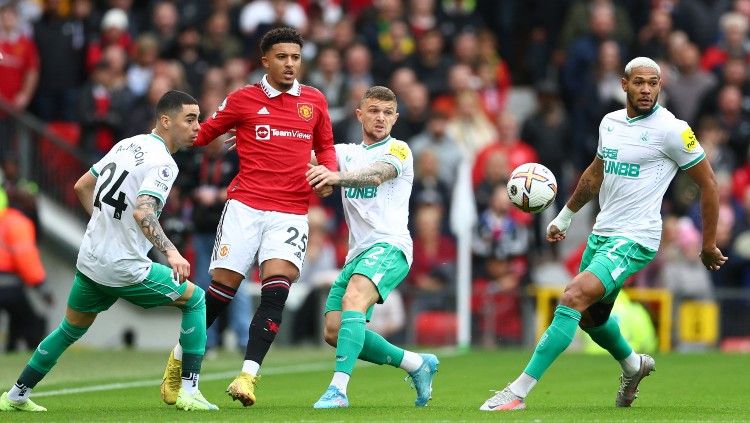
(640, 150)
(124, 193)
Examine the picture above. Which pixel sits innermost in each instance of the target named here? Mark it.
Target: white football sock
(249, 366)
(411, 361)
(190, 383)
(341, 381)
(19, 393)
(177, 352)
(631, 364)
(523, 385)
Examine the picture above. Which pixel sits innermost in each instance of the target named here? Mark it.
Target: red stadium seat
(435, 328)
(60, 166)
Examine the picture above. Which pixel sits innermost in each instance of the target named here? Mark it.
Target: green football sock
(379, 351)
(350, 341)
(609, 337)
(193, 332)
(555, 340)
(50, 349)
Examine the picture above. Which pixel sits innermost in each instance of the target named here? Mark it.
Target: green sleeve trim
(694, 162)
(94, 172)
(393, 161)
(599, 156)
(153, 194)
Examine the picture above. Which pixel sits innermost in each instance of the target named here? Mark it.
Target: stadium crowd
(453, 65)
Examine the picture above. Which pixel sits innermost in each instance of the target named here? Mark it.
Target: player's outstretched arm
(372, 175)
(703, 176)
(145, 215)
(84, 189)
(588, 187)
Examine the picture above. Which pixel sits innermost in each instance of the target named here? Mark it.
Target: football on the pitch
(532, 187)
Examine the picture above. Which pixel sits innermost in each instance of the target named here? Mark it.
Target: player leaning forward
(640, 150)
(124, 193)
(376, 178)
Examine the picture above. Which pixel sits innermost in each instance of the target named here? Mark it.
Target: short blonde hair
(641, 62)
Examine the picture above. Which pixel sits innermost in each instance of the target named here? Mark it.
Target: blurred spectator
(402, 79)
(733, 42)
(140, 118)
(502, 231)
(102, 110)
(460, 78)
(140, 72)
(433, 270)
(455, 16)
(494, 74)
(734, 73)
(496, 304)
(713, 139)
(734, 120)
(20, 73)
(189, 55)
(698, 18)
(20, 267)
(396, 48)
(685, 103)
(653, 38)
(436, 140)
(114, 32)
(584, 50)
(422, 17)
(258, 16)
(428, 188)
(327, 76)
(496, 173)
(414, 113)
(508, 143)
(357, 64)
(235, 71)
(430, 62)
(217, 44)
(548, 132)
(581, 20)
(61, 44)
(22, 193)
(682, 273)
(471, 130)
(164, 24)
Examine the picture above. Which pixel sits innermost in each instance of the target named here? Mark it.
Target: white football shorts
(245, 233)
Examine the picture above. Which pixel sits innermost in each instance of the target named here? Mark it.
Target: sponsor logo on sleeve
(305, 110)
(400, 150)
(220, 108)
(689, 140)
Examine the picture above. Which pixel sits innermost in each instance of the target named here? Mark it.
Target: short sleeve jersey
(113, 251)
(378, 213)
(641, 156)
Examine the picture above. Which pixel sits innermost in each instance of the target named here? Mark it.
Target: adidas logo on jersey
(263, 111)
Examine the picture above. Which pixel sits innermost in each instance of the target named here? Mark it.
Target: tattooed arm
(369, 176)
(588, 185)
(145, 214)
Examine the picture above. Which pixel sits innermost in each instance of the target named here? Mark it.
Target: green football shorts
(613, 260)
(159, 288)
(384, 264)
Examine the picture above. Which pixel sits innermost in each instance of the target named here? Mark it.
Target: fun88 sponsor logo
(265, 132)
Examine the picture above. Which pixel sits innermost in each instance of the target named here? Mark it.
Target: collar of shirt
(272, 92)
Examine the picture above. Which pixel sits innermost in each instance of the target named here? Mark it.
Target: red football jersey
(275, 133)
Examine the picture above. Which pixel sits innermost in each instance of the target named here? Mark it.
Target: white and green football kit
(112, 261)
(641, 156)
(380, 246)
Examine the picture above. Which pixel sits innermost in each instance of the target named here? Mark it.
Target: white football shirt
(378, 214)
(641, 156)
(113, 251)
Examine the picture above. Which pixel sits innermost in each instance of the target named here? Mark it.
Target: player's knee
(331, 335)
(596, 315)
(573, 297)
(197, 300)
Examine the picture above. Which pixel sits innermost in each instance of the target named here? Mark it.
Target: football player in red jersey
(278, 122)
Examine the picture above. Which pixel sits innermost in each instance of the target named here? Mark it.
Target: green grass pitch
(101, 386)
